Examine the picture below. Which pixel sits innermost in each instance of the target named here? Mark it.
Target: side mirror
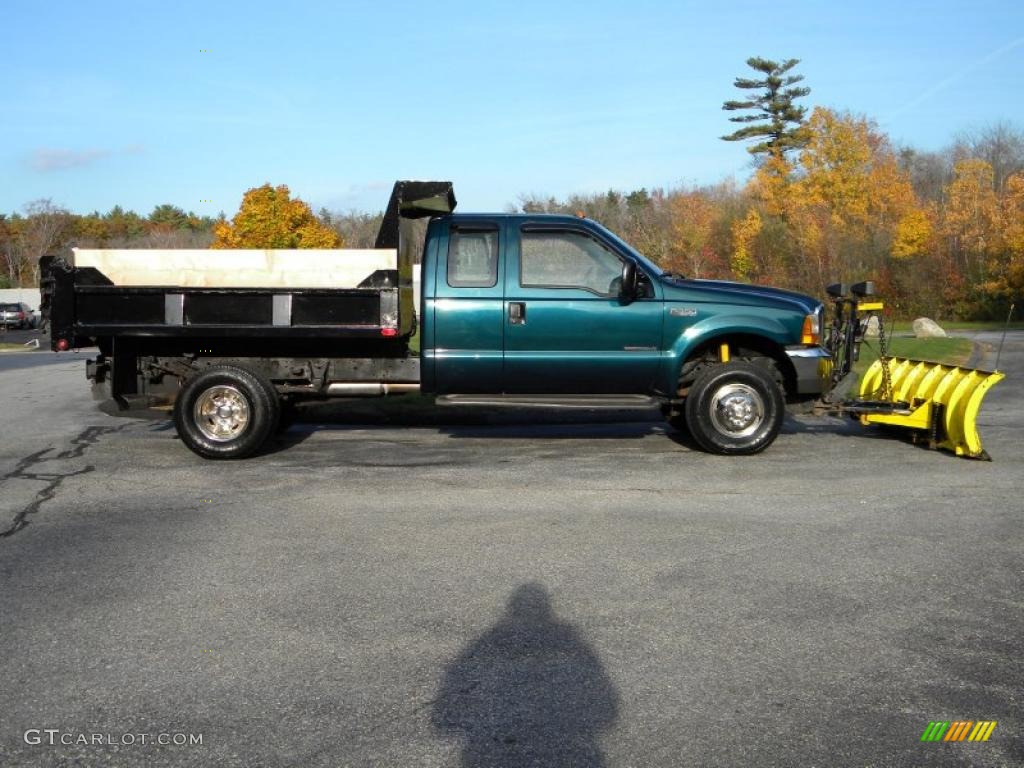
(629, 281)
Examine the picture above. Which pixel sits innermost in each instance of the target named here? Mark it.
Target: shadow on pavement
(505, 423)
(530, 691)
(421, 411)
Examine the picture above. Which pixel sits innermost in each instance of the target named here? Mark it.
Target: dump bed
(218, 295)
(226, 293)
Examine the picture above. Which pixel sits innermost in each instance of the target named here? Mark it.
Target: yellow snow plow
(938, 403)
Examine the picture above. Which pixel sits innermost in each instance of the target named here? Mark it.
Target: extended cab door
(468, 311)
(567, 331)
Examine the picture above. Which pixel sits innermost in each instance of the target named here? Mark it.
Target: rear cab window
(473, 257)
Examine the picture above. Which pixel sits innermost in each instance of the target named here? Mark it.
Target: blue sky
(140, 103)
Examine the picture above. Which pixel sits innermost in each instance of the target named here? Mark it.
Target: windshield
(642, 260)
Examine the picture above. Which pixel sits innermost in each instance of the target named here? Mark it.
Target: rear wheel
(226, 412)
(734, 408)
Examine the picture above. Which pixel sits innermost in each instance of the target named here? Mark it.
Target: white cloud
(46, 160)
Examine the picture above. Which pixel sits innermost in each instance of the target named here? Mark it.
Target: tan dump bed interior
(208, 268)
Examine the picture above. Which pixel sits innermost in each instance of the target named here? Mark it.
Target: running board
(618, 402)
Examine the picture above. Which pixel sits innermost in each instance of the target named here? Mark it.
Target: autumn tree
(1013, 216)
(971, 219)
(999, 144)
(773, 118)
(744, 231)
(843, 209)
(46, 229)
(270, 218)
(693, 218)
(91, 230)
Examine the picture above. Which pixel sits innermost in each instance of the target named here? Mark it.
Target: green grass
(8, 347)
(952, 350)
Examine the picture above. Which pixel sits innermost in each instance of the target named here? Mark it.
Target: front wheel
(226, 412)
(734, 408)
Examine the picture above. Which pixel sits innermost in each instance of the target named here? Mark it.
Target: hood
(739, 293)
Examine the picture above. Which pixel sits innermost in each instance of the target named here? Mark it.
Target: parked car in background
(16, 315)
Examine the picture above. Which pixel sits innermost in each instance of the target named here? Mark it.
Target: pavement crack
(30, 468)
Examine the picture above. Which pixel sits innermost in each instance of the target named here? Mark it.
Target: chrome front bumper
(813, 366)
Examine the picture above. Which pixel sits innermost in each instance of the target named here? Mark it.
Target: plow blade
(939, 402)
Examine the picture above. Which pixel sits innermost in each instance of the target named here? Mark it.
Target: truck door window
(473, 258)
(566, 259)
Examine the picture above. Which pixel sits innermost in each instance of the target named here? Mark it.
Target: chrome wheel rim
(737, 410)
(221, 413)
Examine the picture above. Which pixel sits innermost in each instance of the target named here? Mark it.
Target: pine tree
(782, 129)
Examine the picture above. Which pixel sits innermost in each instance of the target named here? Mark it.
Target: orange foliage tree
(693, 217)
(843, 210)
(270, 218)
(1013, 218)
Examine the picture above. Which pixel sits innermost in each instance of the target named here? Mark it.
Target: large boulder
(926, 328)
(871, 327)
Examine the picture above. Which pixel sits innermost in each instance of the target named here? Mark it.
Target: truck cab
(551, 307)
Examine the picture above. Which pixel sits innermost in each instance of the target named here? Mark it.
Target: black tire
(242, 411)
(735, 408)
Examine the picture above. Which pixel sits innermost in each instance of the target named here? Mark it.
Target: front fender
(696, 335)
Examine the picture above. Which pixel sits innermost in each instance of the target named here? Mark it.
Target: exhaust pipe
(369, 388)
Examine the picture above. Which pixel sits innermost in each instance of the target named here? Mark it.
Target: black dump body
(82, 307)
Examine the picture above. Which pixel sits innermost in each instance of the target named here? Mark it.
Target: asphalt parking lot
(502, 594)
(22, 336)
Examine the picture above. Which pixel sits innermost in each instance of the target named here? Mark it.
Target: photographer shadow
(530, 691)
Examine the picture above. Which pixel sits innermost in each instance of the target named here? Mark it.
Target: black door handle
(517, 312)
